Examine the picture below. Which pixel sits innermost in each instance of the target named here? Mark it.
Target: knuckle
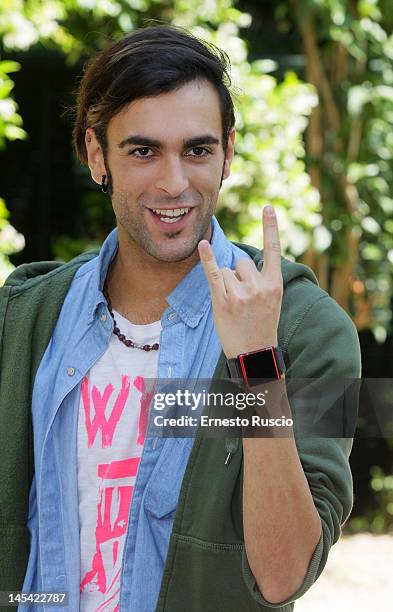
(273, 287)
(275, 246)
(270, 221)
(254, 291)
(276, 290)
(215, 275)
(242, 300)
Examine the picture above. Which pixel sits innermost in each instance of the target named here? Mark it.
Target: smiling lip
(175, 225)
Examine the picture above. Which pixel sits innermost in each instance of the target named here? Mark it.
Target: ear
(229, 153)
(95, 156)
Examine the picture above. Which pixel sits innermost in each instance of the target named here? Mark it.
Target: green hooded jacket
(206, 568)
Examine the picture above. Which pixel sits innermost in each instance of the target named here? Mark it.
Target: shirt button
(172, 316)
(70, 371)
(103, 318)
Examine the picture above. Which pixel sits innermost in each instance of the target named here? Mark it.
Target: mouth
(173, 218)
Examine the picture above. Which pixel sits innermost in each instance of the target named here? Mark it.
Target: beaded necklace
(129, 343)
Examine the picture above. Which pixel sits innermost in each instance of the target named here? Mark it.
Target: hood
(29, 271)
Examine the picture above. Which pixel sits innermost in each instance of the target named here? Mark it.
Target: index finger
(271, 242)
(212, 271)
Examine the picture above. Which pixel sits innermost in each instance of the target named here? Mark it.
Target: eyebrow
(138, 139)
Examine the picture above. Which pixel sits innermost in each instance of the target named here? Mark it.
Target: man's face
(166, 161)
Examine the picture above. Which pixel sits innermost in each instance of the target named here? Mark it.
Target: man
(118, 520)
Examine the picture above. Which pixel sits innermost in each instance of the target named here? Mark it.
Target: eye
(200, 152)
(141, 152)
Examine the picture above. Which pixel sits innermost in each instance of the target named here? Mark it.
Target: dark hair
(147, 62)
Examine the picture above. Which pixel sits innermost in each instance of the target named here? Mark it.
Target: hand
(247, 303)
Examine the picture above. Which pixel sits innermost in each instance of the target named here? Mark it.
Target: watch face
(260, 365)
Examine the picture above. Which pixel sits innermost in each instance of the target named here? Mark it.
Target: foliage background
(313, 85)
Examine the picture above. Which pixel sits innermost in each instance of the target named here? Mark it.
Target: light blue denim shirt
(189, 348)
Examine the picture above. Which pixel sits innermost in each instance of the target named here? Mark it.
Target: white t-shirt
(112, 418)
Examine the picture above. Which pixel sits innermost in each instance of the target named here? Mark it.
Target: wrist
(249, 347)
(258, 366)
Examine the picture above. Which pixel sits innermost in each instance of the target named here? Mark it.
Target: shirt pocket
(162, 491)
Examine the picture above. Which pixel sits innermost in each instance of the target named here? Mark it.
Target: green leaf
(12, 132)
(358, 96)
(7, 66)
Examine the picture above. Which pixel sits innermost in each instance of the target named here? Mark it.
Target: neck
(138, 284)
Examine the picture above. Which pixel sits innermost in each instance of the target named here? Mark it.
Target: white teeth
(174, 212)
(166, 220)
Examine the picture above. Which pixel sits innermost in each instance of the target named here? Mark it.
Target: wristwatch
(266, 364)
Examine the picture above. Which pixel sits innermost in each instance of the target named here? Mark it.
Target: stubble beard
(136, 229)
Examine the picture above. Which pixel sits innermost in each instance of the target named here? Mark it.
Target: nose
(172, 177)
